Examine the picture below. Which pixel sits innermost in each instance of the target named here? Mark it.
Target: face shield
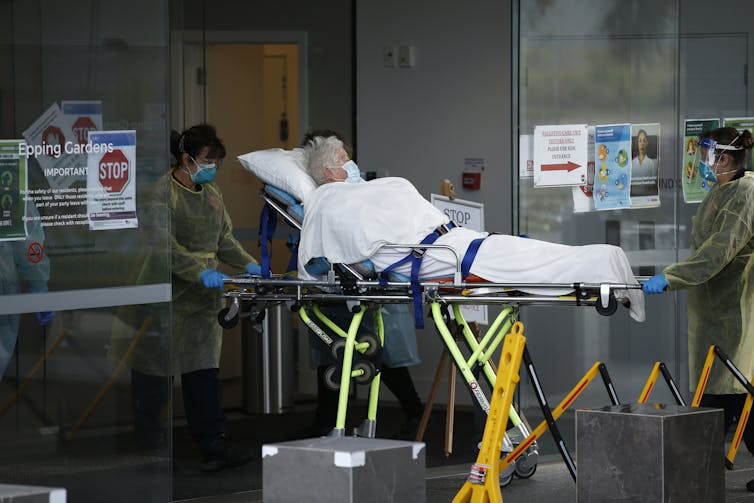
(708, 153)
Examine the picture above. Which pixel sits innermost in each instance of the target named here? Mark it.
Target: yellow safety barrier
(110, 381)
(6, 406)
(743, 417)
(657, 369)
(483, 483)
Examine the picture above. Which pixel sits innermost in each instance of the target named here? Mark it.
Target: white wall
(422, 122)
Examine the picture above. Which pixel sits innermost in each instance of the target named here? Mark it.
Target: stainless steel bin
(269, 361)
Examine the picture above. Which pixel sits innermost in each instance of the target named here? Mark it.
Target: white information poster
(111, 194)
(525, 156)
(82, 117)
(560, 155)
(471, 215)
(51, 141)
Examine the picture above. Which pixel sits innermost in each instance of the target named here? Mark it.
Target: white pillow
(284, 169)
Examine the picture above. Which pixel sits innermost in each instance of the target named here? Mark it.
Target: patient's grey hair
(320, 153)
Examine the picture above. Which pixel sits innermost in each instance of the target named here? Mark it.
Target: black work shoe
(750, 486)
(219, 455)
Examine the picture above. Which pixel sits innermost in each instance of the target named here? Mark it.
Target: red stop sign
(114, 171)
(81, 129)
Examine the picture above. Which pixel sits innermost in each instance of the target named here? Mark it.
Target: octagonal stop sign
(81, 129)
(114, 171)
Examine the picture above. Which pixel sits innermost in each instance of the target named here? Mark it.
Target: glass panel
(85, 283)
(600, 63)
(610, 63)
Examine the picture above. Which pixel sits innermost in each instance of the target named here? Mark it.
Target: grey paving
(551, 483)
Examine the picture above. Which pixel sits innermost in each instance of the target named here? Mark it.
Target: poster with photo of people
(645, 165)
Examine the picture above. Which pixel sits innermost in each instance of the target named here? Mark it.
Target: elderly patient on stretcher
(350, 221)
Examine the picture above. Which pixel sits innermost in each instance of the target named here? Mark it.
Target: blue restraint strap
(292, 244)
(416, 260)
(468, 257)
(267, 225)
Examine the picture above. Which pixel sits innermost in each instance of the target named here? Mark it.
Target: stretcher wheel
(369, 371)
(337, 348)
(225, 323)
(506, 479)
(260, 316)
(524, 470)
(612, 306)
(372, 340)
(332, 377)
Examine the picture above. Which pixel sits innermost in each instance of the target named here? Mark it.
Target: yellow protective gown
(201, 236)
(719, 275)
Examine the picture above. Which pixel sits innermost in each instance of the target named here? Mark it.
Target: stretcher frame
(305, 297)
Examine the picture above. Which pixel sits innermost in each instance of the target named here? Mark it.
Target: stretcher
(357, 351)
(358, 285)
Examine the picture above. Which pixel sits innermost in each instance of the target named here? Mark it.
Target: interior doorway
(251, 87)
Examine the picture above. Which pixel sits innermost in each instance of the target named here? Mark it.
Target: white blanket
(348, 223)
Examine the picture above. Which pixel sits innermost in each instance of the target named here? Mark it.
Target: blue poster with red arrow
(612, 170)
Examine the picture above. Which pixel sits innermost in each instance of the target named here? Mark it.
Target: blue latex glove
(523, 236)
(45, 317)
(254, 269)
(656, 284)
(212, 278)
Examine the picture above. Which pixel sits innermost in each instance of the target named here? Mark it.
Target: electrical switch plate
(389, 56)
(407, 56)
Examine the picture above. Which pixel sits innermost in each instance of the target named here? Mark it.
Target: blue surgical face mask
(205, 173)
(706, 172)
(352, 170)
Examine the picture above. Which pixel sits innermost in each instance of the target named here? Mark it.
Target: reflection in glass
(65, 396)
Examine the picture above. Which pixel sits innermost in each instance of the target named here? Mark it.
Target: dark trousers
(732, 406)
(202, 403)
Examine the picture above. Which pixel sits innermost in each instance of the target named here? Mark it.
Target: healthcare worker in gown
(201, 237)
(719, 274)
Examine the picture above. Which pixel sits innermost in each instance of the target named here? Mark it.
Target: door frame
(182, 42)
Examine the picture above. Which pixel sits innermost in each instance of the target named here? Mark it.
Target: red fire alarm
(472, 181)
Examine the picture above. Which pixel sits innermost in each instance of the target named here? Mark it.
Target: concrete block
(344, 469)
(31, 494)
(650, 453)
